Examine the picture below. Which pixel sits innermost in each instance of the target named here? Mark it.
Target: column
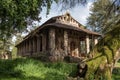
(43, 42)
(33, 45)
(26, 47)
(35, 41)
(18, 50)
(51, 40)
(87, 44)
(66, 42)
(77, 47)
(95, 40)
(30, 46)
(23, 48)
(38, 44)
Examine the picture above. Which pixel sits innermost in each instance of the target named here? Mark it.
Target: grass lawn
(30, 69)
(116, 71)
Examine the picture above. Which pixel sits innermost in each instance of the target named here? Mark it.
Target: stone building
(58, 37)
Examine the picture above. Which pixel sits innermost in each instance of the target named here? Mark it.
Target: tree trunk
(104, 55)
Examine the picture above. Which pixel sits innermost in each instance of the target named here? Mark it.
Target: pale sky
(80, 13)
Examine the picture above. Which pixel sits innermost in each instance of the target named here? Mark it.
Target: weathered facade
(58, 37)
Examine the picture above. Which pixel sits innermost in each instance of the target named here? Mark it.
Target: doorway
(72, 49)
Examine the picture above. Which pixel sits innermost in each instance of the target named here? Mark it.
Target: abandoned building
(58, 37)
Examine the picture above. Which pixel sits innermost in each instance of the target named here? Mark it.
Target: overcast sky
(80, 12)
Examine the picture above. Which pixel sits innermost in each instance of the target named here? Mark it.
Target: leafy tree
(104, 15)
(104, 19)
(5, 45)
(15, 15)
(105, 54)
(14, 52)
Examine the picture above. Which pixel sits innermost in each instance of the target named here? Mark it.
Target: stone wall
(54, 44)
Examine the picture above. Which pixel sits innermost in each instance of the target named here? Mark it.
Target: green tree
(104, 15)
(5, 45)
(14, 53)
(15, 15)
(105, 54)
(105, 19)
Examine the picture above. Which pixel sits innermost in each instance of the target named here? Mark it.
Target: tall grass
(116, 71)
(30, 69)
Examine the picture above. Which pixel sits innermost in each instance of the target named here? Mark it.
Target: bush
(30, 69)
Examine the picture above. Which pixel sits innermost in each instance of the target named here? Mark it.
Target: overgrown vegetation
(105, 55)
(116, 74)
(30, 69)
(116, 71)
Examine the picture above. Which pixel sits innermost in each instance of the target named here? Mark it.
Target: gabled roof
(64, 21)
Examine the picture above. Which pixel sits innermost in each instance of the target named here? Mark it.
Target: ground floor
(56, 43)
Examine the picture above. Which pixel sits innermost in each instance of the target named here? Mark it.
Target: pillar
(38, 44)
(87, 44)
(17, 50)
(33, 40)
(30, 46)
(51, 40)
(23, 47)
(35, 46)
(95, 40)
(20, 49)
(43, 42)
(26, 47)
(77, 47)
(66, 42)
